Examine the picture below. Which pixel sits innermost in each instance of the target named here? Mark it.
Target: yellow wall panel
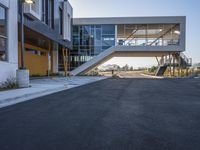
(37, 64)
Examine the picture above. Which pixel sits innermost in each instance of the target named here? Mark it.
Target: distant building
(108, 67)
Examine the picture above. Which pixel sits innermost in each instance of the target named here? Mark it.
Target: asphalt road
(113, 114)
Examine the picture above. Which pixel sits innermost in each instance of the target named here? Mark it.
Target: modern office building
(8, 39)
(47, 34)
(56, 43)
(96, 40)
(48, 25)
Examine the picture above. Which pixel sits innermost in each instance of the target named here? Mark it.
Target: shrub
(10, 83)
(153, 69)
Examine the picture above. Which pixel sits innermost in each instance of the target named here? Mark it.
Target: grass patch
(9, 84)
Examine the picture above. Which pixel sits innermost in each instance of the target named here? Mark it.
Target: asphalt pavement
(112, 114)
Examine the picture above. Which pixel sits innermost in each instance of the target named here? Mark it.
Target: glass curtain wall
(3, 34)
(89, 41)
(149, 34)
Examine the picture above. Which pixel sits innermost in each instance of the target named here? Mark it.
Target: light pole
(22, 72)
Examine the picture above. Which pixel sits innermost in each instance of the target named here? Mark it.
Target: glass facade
(3, 34)
(149, 34)
(90, 40)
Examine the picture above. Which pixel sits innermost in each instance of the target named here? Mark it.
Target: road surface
(113, 114)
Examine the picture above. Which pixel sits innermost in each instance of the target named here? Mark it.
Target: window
(61, 21)
(91, 40)
(69, 27)
(108, 29)
(149, 34)
(48, 12)
(3, 34)
(51, 13)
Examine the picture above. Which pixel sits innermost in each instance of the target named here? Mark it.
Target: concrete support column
(116, 35)
(173, 64)
(170, 64)
(179, 65)
(54, 59)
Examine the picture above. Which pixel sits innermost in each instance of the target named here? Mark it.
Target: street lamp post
(22, 36)
(22, 72)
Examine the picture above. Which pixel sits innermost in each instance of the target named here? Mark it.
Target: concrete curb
(25, 97)
(150, 76)
(145, 75)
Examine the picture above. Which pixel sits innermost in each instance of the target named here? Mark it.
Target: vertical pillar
(49, 60)
(54, 58)
(187, 71)
(170, 66)
(173, 56)
(64, 53)
(116, 35)
(69, 60)
(146, 34)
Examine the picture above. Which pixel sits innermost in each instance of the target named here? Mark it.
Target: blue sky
(124, 8)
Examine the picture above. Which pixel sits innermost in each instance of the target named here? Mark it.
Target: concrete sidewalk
(42, 87)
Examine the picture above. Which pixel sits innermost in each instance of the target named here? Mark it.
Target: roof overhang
(129, 20)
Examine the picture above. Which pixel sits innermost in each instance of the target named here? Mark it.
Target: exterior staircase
(102, 57)
(184, 62)
(161, 70)
(121, 49)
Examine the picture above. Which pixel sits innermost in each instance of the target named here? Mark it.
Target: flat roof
(129, 20)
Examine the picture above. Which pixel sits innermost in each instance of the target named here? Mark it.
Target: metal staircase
(181, 61)
(184, 60)
(103, 56)
(163, 64)
(161, 70)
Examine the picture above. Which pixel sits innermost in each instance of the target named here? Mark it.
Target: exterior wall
(52, 32)
(9, 67)
(67, 20)
(37, 65)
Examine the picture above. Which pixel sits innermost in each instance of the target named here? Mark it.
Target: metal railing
(187, 60)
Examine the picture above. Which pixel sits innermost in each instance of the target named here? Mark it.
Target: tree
(153, 69)
(126, 67)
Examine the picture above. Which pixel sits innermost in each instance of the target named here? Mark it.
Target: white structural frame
(142, 20)
(8, 68)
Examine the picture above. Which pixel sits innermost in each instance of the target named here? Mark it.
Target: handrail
(163, 34)
(133, 33)
(186, 59)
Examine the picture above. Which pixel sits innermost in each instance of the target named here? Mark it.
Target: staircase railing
(187, 60)
(163, 34)
(184, 60)
(133, 32)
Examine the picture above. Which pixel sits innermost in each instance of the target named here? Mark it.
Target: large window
(91, 40)
(3, 34)
(61, 21)
(149, 34)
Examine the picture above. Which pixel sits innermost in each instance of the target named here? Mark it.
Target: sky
(134, 8)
